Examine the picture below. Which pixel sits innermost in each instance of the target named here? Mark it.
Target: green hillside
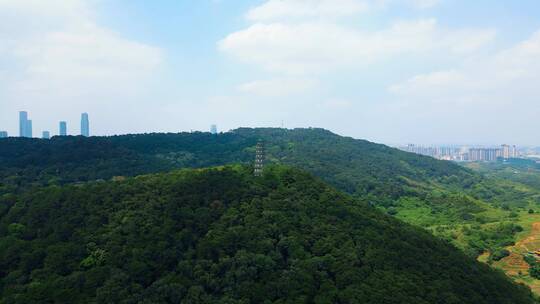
(222, 236)
(453, 202)
(520, 171)
(357, 166)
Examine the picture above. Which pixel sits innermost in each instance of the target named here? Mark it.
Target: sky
(390, 71)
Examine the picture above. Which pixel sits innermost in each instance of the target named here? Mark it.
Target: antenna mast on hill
(259, 159)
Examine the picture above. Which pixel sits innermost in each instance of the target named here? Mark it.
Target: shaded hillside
(414, 188)
(356, 166)
(223, 236)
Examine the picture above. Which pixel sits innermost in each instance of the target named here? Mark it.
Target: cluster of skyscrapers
(464, 153)
(25, 127)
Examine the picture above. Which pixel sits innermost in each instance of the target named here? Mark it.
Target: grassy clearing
(527, 240)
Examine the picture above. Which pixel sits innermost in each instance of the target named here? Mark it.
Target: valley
(526, 176)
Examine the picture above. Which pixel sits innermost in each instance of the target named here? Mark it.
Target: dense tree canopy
(223, 236)
(414, 188)
(356, 166)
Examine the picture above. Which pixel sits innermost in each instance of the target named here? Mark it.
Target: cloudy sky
(391, 71)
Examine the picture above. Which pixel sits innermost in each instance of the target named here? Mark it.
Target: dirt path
(515, 266)
(532, 242)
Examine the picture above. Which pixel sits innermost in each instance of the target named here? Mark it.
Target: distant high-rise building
(23, 123)
(46, 135)
(482, 154)
(505, 151)
(509, 151)
(29, 132)
(63, 128)
(213, 129)
(3, 134)
(492, 154)
(85, 125)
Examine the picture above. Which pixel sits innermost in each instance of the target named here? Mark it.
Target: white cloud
(492, 77)
(57, 43)
(307, 36)
(315, 46)
(57, 59)
(336, 104)
(89, 57)
(285, 9)
(489, 98)
(433, 81)
(278, 87)
(277, 10)
(423, 4)
(64, 9)
(460, 91)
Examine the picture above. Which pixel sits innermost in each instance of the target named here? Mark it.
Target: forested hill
(223, 236)
(356, 166)
(417, 189)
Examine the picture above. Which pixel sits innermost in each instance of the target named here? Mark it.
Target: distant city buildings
(505, 151)
(23, 118)
(464, 153)
(26, 128)
(446, 153)
(213, 129)
(85, 125)
(25, 125)
(62, 128)
(483, 154)
(508, 151)
(29, 132)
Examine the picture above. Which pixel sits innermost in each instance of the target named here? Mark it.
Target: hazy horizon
(389, 71)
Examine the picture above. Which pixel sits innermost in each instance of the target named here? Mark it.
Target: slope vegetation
(356, 166)
(414, 188)
(223, 236)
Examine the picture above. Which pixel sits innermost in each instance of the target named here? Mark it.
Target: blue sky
(391, 71)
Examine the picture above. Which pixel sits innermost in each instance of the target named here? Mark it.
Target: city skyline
(84, 121)
(462, 77)
(474, 153)
(26, 127)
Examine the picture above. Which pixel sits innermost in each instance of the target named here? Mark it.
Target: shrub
(499, 254)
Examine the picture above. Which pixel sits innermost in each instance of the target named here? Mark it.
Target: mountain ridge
(418, 189)
(222, 235)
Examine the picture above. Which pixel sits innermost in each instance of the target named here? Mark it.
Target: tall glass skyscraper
(29, 132)
(63, 129)
(23, 123)
(85, 125)
(46, 135)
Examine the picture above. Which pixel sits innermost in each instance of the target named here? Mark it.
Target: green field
(524, 176)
